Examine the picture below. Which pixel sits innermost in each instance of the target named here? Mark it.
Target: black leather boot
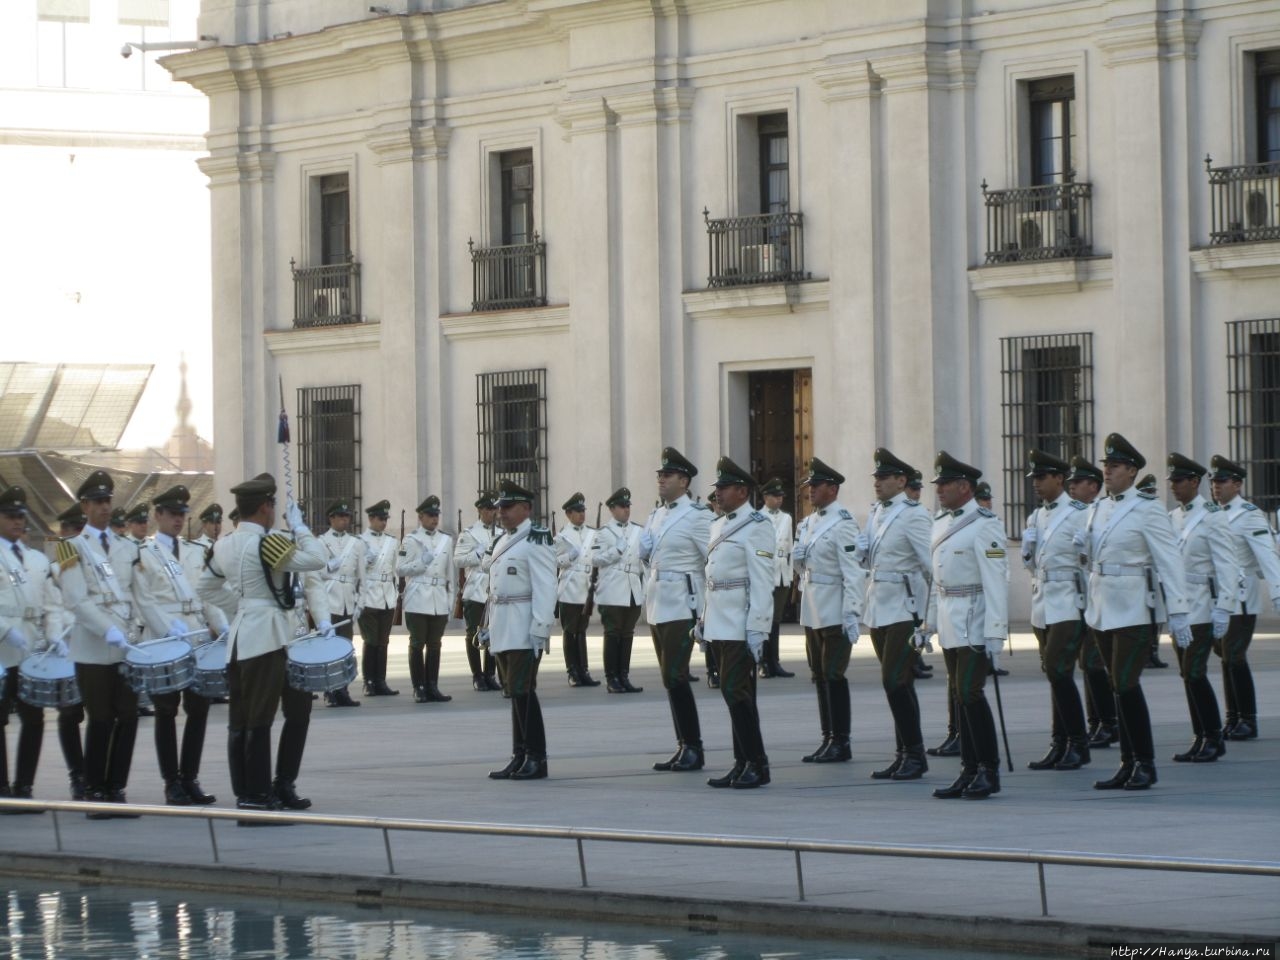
(1107, 734)
(1212, 748)
(1075, 756)
(613, 685)
(1118, 779)
(754, 774)
(713, 679)
(949, 747)
(431, 679)
(287, 794)
(1192, 751)
(533, 768)
(515, 763)
(669, 763)
(823, 747)
(1057, 750)
(628, 686)
(1246, 728)
(1143, 776)
(886, 773)
(838, 752)
(691, 758)
(983, 784)
(478, 683)
(728, 778)
(197, 795)
(584, 674)
(957, 788)
(175, 795)
(913, 765)
(572, 672)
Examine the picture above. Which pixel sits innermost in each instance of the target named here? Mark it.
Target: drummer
(97, 584)
(167, 599)
(255, 565)
(70, 522)
(31, 617)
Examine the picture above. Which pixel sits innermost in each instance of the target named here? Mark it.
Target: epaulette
(67, 554)
(276, 550)
(1248, 506)
(698, 505)
(539, 535)
(757, 516)
(912, 503)
(846, 515)
(984, 512)
(1146, 496)
(1212, 507)
(1077, 505)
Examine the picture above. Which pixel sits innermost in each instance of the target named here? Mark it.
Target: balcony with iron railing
(508, 277)
(1049, 222)
(1244, 202)
(763, 248)
(326, 296)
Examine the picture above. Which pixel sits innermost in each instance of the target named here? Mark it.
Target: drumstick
(193, 633)
(49, 649)
(317, 633)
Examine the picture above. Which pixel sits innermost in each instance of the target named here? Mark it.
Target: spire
(184, 402)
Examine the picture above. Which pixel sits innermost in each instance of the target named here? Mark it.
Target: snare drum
(321, 664)
(211, 670)
(160, 666)
(48, 680)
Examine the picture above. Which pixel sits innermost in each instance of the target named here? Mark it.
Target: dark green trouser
(892, 644)
(573, 625)
(1059, 647)
(173, 767)
(1193, 664)
(254, 687)
(966, 678)
(375, 632)
(1098, 700)
(619, 634)
(1125, 652)
(426, 631)
(520, 681)
(30, 737)
(738, 687)
(673, 645)
(473, 616)
(1237, 678)
(828, 653)
(112, 710)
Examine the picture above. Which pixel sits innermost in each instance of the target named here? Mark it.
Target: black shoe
(341, 698)
(765, 671)
(1117, 780)
(1143, 776)
(572, 675)
(913, 764)
(433, 692)
(1105, 736)
(533, 768)
(887, 772)
(949, 747)
(1213, 748)
(780, 671)
(175, 795)
(198, 796)
(420, 694)
(690, 759)
(514, 764)
(956, 790)
(1154, 662)
(1191, 752)
(77, 786)
(116, 796)
(287, 796)
(1076, 755)
(383, 690)
(96, 796)
(586, 680)
(728, 778)
(713, 679)
(1050, 760)
(264, 804)
(922, 671)
(627, 685)
(822, 748)
(370, 690)
(671, 762)
(613, 685)
(146, 712)
(984, 783)
(838, 752)
(478, 683)
(1229, 724)
(493, 683)
(1246, 728)
(754, 774)
(21, 793)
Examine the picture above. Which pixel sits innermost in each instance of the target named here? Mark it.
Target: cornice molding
(500, 324)
(336, 339)
(1039, 277)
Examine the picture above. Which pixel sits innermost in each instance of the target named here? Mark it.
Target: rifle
(462, 578)
(590, 605)
(398, 617)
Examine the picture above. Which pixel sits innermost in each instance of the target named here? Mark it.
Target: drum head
(160, 651)
(212, 656)
(320, 650)
(49, 666)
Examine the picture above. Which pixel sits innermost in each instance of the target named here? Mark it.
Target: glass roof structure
(69, 407)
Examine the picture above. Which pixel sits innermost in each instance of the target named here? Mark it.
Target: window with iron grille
(511, 433)
(1253, 406)
(329, 451)
(1047, 403)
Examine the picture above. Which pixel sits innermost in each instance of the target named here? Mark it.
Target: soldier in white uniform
(249, 577)
(833, 590)
(522, 602)
(1057, 605)
(895, 552)
(615, 555)
(1256, 560)
(377, 601)
(426, 563)
(70, 523)
(573, 558)
(468, 554)
(969, 606)
(170, 606)
(97, 583)
(31, 620)
(210, 527)
(136, 521)
(737, 616)
(1209, 561)
(344, 565)
(774, 492)
(673, 544)
(1128, 541)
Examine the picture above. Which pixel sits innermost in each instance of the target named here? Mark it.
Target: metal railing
(1049, 222)
(326, 296)
(507, 277)
(765, 248)
(1037, 858)
(1244, 202)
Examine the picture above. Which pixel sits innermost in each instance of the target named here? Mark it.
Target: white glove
(482, 638)
(1030, 536)
(574, 553)
(359, 611)
(697, 635)
(326, 628)
(1221, 619)
(920, 640)
(59, 647)
(755, 643)
(293, 517)
(333, 564)
(1180, 629)
(862, 542)
(370, 558)
(851, 630)
(995, 645)
(177, 628)
(541, 645)
(1078, 540)
(646, 545)
(115, 638)
(800, 553)
(17, 639)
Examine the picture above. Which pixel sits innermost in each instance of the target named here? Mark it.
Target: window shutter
(63, 11)
(144, 13)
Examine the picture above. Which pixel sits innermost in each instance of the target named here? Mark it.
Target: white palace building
(544, 238)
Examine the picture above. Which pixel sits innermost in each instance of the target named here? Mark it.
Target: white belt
(890, 576)
(181, 606)
(383, 578)
(342, 579)
(1201, 578)
(250, 603)
(674, 575)
(1060, 574)
(1119, 570)
(32, 613)
(968, 590)
(521, 598)
(429, 581)
(811, 577)
(739, 584)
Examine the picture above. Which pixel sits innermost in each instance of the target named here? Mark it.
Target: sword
(995, 681)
